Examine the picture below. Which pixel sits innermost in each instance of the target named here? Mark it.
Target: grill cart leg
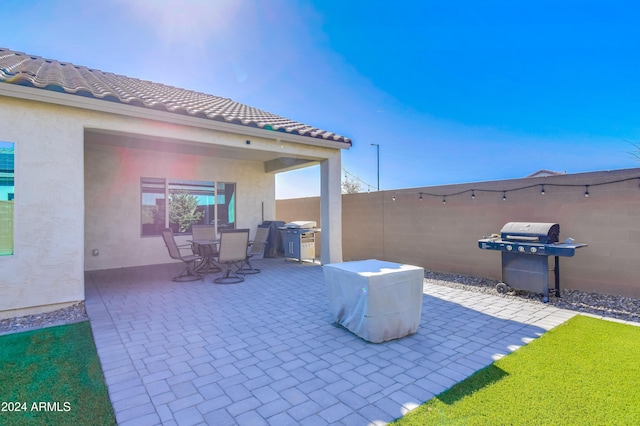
(556, 272)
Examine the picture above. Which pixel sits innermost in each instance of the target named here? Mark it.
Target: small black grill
(526, 248)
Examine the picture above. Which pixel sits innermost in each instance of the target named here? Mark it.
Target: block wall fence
(443, 237)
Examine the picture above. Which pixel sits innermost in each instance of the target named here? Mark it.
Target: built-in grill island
(526, 248)
(300, 240)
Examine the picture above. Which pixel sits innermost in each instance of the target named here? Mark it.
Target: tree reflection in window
(190, 202)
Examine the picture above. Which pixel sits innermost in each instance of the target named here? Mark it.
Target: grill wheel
(502, 288)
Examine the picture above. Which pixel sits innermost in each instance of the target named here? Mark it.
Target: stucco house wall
(113, 206)
(47, 266)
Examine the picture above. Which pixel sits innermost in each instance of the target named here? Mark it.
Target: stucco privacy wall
(47, 266)
(113, 199)
(443, 237)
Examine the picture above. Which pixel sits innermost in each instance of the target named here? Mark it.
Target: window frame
(165, 186)
(8, 180)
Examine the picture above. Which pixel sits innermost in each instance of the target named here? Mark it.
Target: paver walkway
(265, 351)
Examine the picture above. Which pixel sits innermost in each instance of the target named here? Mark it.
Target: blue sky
(452, 91)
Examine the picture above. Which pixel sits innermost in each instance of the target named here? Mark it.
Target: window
(153, 205)
(226, 203)
(189, 202)
(7, 194)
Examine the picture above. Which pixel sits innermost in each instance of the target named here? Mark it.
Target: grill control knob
(521, 249)
(534, 250)
(509, 248)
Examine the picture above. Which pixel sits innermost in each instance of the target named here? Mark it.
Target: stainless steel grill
(526, 248)
(300, 240)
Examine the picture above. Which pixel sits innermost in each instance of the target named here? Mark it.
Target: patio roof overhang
(275, 161)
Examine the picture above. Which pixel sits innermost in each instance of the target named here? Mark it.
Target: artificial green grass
(53, 376)
(584, 372)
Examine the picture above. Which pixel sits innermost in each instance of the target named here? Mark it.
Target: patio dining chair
(203, 232)
(207, 251)
(256, 248)
(191, 261)
(231, 254)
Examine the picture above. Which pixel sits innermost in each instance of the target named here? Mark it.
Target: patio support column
(331, 209)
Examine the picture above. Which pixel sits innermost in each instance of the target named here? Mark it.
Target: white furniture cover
(374, 299)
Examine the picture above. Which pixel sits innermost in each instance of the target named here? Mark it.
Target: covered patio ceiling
(275, 161)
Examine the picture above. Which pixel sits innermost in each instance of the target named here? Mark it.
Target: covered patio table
(207, 249)
(374, 299)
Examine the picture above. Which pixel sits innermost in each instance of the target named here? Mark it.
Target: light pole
(378, 151)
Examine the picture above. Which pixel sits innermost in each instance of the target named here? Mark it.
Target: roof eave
(93, 104)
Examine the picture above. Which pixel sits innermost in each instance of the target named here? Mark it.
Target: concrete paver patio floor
(266, 351)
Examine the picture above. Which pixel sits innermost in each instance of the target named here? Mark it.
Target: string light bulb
(444, 200)
(421, 196)
(504, 195)
(473, 194)
(394, 197)
(586, 191)
(542, 192)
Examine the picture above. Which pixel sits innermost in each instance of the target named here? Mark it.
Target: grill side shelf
(563, 249)
(557, 249)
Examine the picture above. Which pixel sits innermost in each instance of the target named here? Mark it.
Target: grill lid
(545, 233)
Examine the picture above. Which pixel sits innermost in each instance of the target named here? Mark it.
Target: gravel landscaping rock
(71, 314)
(619, 307)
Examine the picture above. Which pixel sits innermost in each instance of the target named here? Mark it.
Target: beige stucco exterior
(77, 184)
(112, 195)
(47, 265)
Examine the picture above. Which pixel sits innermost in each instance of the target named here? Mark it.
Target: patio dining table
(207, 249)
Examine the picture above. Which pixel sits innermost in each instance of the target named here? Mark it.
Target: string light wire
(349, 174)
(543, 187)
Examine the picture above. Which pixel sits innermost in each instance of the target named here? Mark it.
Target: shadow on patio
(265, 351)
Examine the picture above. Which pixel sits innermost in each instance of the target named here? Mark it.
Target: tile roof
(33, 71)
